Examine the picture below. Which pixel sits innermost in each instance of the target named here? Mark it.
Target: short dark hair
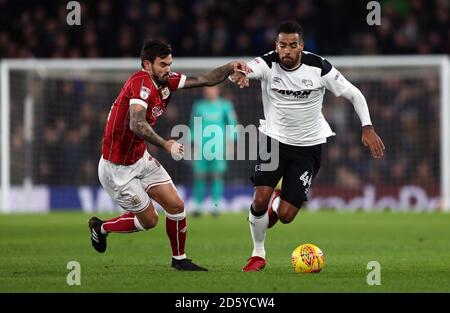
(290, 27)
(153, 48)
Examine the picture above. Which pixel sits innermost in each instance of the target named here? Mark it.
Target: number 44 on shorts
(306, 178)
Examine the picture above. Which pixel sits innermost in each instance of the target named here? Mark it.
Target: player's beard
(289, 62)
(160, 79)
(163, 80)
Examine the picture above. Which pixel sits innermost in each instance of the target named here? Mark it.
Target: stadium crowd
(215, 28)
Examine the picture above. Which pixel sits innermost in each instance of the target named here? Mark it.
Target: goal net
(53, 113)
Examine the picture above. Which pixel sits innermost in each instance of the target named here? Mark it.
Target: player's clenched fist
(175, 149)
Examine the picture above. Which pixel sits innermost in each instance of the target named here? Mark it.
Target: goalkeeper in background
(209, 115)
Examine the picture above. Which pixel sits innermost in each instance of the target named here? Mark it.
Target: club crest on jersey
(277, 79)
(135, 200)
(165, 93)
(307, 82)
(156, 111)
(144, 93)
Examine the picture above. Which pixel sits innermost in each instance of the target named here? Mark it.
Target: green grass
(413, 250)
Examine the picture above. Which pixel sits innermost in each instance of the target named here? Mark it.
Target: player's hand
(239, 79)
(371, 140)
(175, 149)
(239, 75)
(240, 66)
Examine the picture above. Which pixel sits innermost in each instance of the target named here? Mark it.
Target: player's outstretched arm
(336, 83)
(370, 139)
(140, 126)
(217, 75)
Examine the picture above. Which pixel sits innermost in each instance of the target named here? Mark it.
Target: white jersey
(292, 98)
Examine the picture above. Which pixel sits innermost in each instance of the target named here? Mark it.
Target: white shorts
(128, 184)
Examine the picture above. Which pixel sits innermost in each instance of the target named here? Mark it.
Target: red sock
(121, 224)
(176, 230)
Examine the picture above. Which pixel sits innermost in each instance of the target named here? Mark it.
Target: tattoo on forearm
(140, 127)
(214, 77)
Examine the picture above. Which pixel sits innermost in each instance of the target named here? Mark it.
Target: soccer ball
(307, 258)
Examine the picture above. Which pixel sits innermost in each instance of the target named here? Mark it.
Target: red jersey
(120, 144)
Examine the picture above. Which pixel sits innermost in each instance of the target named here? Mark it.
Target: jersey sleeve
(333, 80)
(259, 68)
(176, 81)
(140, 91)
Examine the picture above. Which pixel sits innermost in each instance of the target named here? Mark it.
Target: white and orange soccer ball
(307, 258)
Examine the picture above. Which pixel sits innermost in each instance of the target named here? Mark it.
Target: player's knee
(260, 204)
(153, 221)
(287, 214)
(150, 222)
(176, 207)
(286, 218)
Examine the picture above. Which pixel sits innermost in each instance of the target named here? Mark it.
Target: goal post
(401, 92)
(445, 132)
(4, 137)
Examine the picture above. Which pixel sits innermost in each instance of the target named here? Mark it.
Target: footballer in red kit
(127, 172)
(120, 144)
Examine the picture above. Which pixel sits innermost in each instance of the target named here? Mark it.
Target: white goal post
(439, 64)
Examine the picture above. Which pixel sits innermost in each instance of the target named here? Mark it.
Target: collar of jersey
(290, 69)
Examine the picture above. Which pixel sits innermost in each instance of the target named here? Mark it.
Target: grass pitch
(413, 250)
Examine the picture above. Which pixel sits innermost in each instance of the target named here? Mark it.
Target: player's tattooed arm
(214, 77)
(217, 75)
(140, 126)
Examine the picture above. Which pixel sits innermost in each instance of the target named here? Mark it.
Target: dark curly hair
(154, 48)
(290, 27)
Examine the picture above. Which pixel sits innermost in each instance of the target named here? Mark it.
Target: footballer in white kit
(293, 84)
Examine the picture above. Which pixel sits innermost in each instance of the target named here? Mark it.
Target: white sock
(138, 224)
(258, 227)
(179, 257)
(276, 204)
